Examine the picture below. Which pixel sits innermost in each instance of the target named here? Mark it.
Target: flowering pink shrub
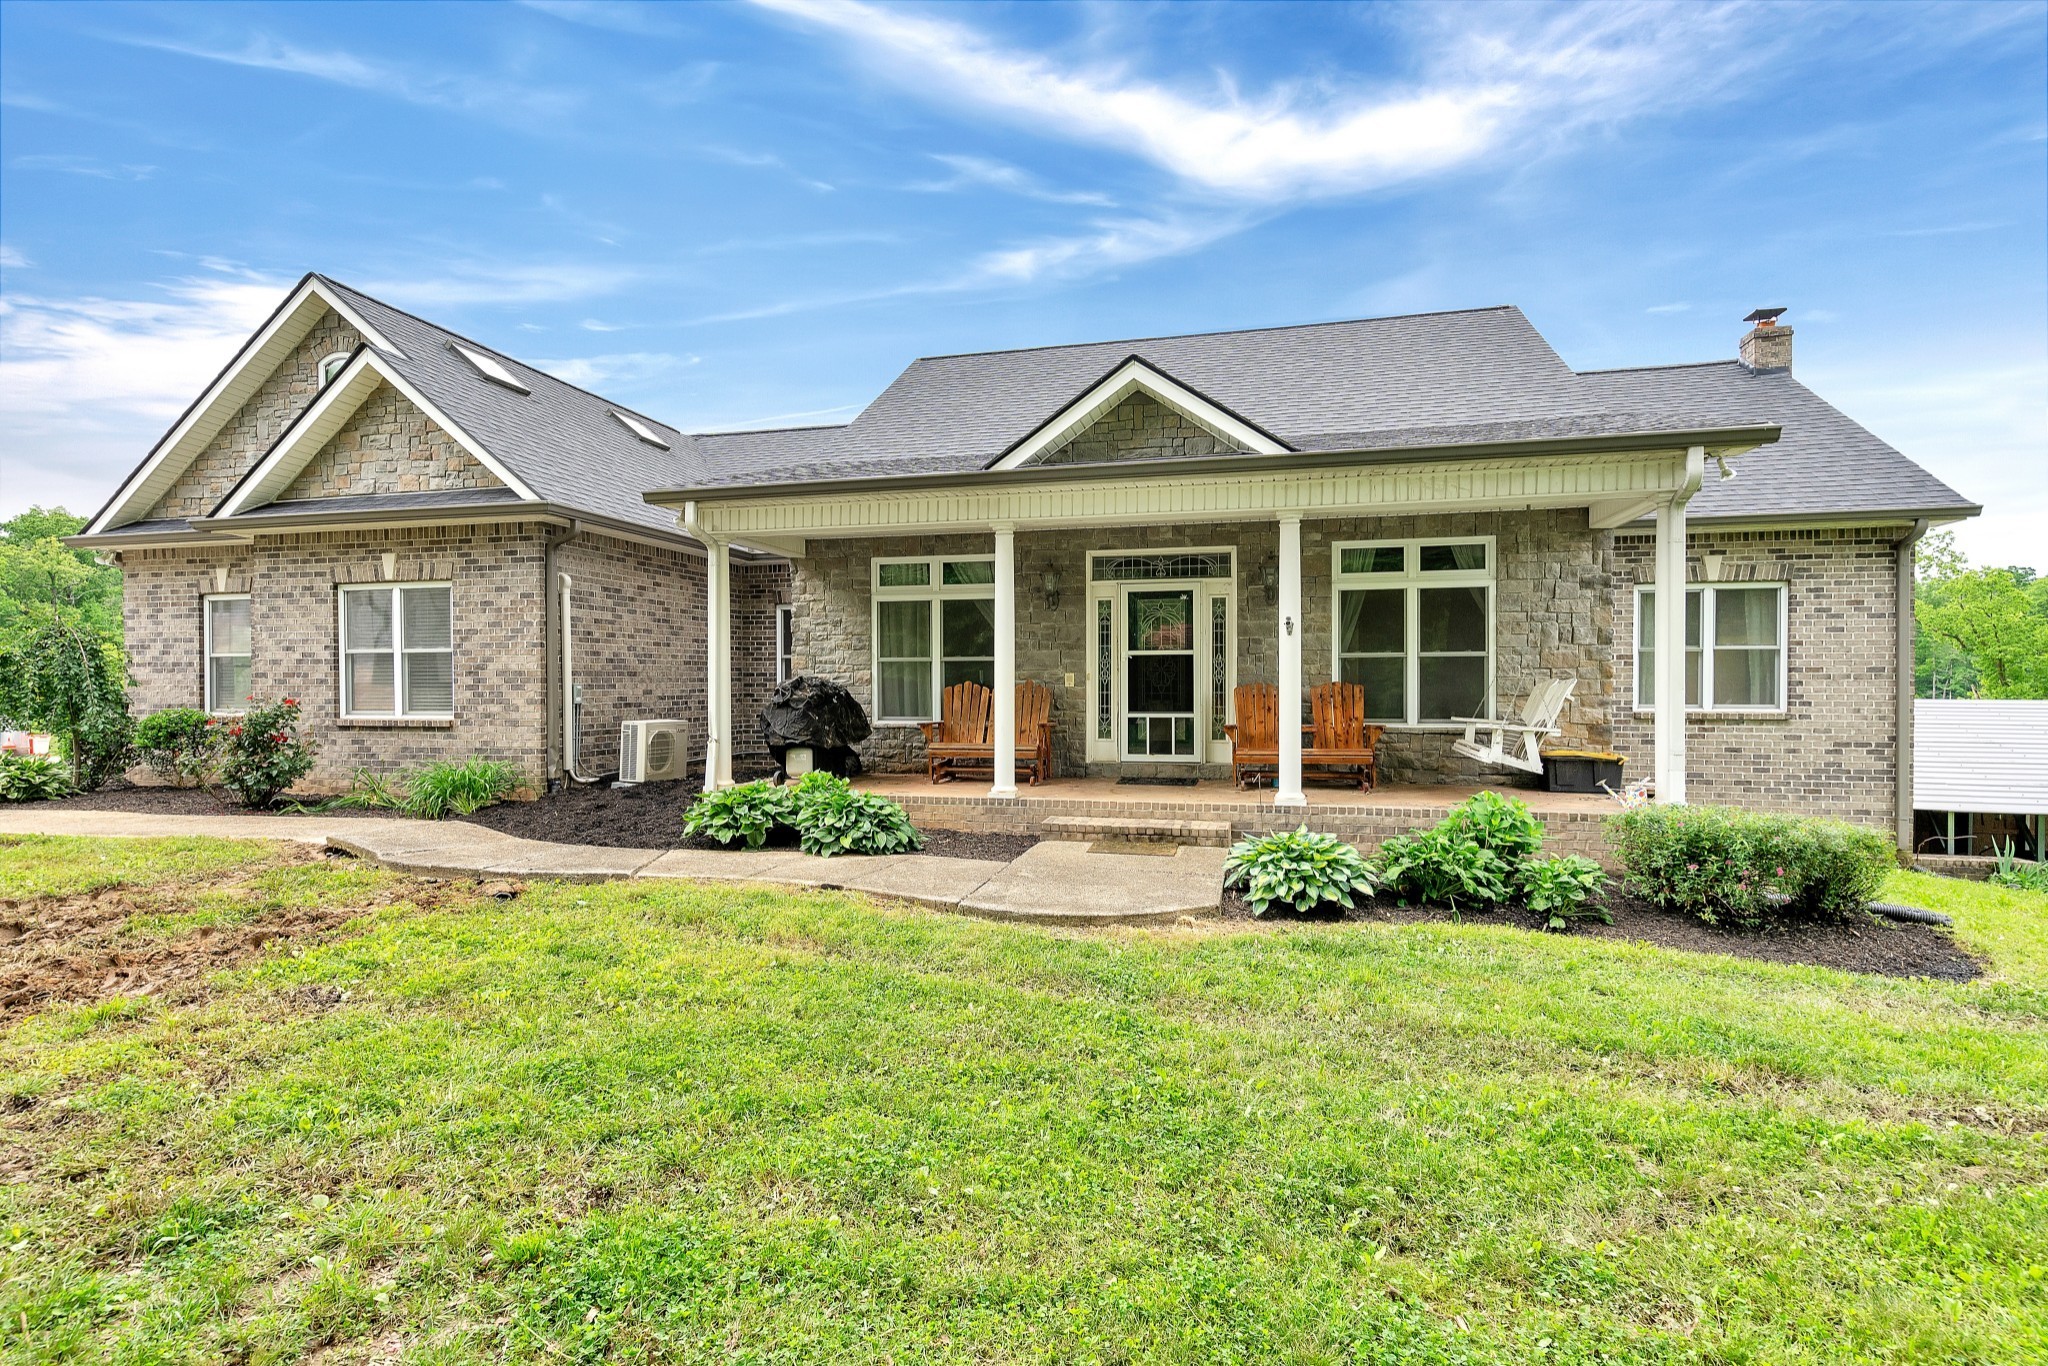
(263, 753)
(1750, 868)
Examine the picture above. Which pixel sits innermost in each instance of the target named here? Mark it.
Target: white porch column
(1288, 785)
(1005, 724)
(718, 665)
(1668, 733)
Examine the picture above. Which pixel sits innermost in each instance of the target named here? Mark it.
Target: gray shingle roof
(1823, 463)
(421, 501)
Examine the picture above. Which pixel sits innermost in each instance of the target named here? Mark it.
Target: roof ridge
(762, 431)
(1226, 332)
(1673, 365)
(502, 355)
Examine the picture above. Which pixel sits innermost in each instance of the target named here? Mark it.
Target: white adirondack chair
(1518, 744)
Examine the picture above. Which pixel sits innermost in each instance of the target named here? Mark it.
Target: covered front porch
(1143, 593)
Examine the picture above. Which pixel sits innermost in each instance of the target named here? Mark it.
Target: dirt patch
(122, 795)
(651, 817)
(81, 948)
(1884, 947)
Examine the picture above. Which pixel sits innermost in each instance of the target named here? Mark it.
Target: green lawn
(670, 1123)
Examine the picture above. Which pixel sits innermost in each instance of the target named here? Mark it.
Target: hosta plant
(1500, 825)
(32, 777)
(1565, 889)
(746, 814)
(1442, 866)
(838, 820)
(1297, 870)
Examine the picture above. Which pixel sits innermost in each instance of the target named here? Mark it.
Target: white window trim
(785, 633)
(331, 365)
(1410, 580)
(933, 592)
(397, 650)
(1706, 702)
(206, 655)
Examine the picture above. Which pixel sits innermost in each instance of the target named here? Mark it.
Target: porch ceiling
(1611, 482)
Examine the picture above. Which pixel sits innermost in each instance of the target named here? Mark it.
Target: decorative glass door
(1159, 674)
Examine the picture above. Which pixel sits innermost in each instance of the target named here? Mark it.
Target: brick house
(1434, 506)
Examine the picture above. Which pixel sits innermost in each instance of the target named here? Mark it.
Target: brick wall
(1138, 428)
(1833, 752)
(165, 623)
(257, 423)
(637, 615)
(1553, 610)
(389, 446)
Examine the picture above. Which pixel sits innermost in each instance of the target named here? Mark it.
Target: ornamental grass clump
(263, 753)
(457, 789)
(1298, 870)
(1750, 869)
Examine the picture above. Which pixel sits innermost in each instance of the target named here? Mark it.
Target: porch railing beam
(1005, 724)
(1288, 784)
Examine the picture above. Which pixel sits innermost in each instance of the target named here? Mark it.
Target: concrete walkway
(1055, 882)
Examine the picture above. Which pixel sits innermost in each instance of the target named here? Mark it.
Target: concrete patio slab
(941, 883)
(1063, 882)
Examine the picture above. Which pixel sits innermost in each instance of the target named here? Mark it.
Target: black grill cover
(819, 713)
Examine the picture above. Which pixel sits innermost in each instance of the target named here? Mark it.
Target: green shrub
(1500, 825)
(1442, 866)
(745, 813)
(263, 753)
(181, 745)
(70, 679)
(456, 789)
(2017, 873)
(1298, 870)
(1562, 890)
(32, 777)
(1749, 868)
(838, 820)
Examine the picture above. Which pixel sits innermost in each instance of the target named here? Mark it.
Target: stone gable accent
(1833, 751)
(237, 447)
(1138, 428)
(389, 446)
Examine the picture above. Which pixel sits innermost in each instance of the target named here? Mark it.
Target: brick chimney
(1768, 345)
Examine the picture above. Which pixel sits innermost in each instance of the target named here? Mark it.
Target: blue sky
(756, 214)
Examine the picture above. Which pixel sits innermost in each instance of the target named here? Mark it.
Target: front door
(1160, 697)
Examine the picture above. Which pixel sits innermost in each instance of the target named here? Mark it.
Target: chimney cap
(1764, 317)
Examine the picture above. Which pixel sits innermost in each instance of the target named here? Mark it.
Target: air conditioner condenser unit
(652, 752)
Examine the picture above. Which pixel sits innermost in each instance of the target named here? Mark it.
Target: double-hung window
(935, 625)
(1734, 647)
(227, 652)
(785, 643)
(1414, 627)
(397, 650)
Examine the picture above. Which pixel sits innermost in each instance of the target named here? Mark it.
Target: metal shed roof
(1983, 756)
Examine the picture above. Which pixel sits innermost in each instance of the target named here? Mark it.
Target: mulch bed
(122, 795)
(651, 817)
(1885, 947)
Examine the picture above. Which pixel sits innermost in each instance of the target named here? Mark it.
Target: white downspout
(572, 739)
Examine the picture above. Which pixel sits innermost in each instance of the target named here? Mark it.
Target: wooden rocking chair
(1524, 750)
(1255, 735)
(1341, 738)
(963, 738)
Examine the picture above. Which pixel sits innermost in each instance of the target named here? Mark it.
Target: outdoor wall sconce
(1050, 581)
(1269, 577)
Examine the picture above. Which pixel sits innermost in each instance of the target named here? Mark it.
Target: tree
(60, 675)
(38, 570)
(1981, 632)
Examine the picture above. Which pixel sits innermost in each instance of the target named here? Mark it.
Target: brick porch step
(1214, 834)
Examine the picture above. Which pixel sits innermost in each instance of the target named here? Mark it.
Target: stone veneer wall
(1138, 428)
(257, 423)
(389, 446)
(1553, 609)
(1833, 751)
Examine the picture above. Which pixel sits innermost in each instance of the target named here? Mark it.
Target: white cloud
(1667, 308)
(970, 171)
(13, 259)
(85, 166)
(631, 367)
(88, 384)
(1107, 244)
(483, 282)
(641, 20)
(1492, 76)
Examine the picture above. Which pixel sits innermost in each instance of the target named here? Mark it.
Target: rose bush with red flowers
(264, 753)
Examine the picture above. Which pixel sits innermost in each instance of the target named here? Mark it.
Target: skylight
(640, 429)
(490, 367)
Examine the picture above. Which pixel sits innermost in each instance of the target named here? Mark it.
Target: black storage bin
(1581, 770)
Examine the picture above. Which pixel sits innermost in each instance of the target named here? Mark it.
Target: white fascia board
(335, 405)
(1127, 378)
(253, 364)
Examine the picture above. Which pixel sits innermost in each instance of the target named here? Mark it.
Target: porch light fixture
(1269, 577)
(1050, 582)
